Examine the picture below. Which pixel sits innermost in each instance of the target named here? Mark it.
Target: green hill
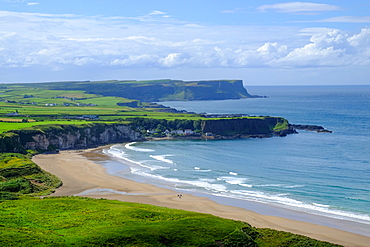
(74, 221)
(20, 176)
(149, 91)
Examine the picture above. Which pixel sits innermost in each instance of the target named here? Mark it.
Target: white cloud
(58, 41)
(32, 4)
(237, 10)
(361, 40)
(157, 12)
(172, 60)
(347, 19)
(294, 7)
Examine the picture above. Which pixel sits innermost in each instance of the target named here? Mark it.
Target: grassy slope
(73, 221)
(20, 176)
(90, 222)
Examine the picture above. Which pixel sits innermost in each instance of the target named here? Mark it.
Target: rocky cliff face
(55, 137)
(216, 90)
(10, 143)
(248, 127)
(74, 137)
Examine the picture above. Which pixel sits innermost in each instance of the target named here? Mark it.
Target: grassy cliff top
(146, 91)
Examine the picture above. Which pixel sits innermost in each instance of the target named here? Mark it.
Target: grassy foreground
(74, 221)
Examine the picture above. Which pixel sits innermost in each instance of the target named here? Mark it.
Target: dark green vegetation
(20, 176)
(77, 221)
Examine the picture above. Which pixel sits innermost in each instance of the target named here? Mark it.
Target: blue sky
(260, 42)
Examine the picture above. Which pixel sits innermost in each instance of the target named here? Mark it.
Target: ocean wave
(153, 167)
(121, 155)
(202, 170)
(183, 184)
(209, 180)
(163, 158)
(233, 180)
(130, 147)
(279, 185)
(321, 205)
(140, 164)
(283, 200)
(246, 185)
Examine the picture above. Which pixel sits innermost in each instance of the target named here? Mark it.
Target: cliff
(54, 137)
(248, 127)
(156, 90)
(208, 90)
(10, 143)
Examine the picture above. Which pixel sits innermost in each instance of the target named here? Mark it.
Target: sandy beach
(82, 176)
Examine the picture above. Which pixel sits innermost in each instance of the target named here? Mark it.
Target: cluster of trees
(160, 125)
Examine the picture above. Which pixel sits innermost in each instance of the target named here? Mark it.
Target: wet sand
(82, 176)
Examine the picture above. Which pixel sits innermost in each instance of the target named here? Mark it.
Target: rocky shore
(316, 128)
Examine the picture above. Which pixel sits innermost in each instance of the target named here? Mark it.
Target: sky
(259, 42)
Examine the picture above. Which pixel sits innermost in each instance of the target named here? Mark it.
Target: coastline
(82, 175)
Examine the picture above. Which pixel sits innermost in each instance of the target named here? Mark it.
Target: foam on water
(129, 146)
(122, 155)
(233, 180)
(183, 184)
(198, 169)
(279, 185)
(246, 185)
(313, 208)
(162, 158)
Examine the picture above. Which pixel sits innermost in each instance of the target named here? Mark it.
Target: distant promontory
(158, 90)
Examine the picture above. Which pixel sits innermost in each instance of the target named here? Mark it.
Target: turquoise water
(318, 173)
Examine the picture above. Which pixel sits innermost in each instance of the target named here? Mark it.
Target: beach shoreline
(82, 175)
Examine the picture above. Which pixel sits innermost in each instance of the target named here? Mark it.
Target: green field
(32, 102)
(7, 126)
(73, 221)
(38, 101)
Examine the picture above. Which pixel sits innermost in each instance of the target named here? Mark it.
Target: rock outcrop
(248, 127)
(317, 128)
(58, 137)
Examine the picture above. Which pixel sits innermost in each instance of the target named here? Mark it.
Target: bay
(323, 174)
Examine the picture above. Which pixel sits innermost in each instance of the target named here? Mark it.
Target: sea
(320, 174)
